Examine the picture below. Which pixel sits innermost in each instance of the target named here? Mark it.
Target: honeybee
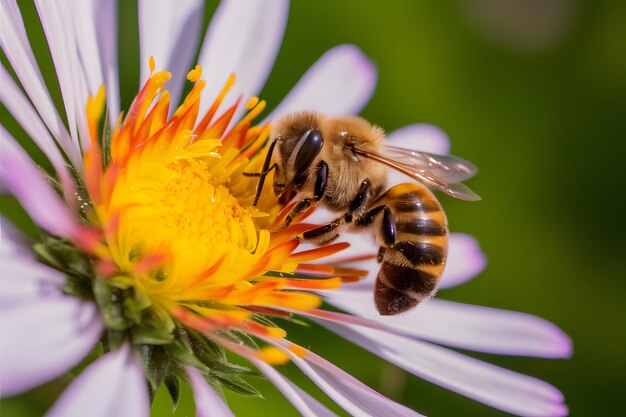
(341, 163)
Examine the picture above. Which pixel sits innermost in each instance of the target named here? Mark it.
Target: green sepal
(172, 383)
(135, 305)
(299, 322)
(201, 345)
(263, 319)
(183, 355)
(155, 362)
(113, 340)
(153, 330)
(65, 257)
(240, 337)
(216, 385)
(110, 300)
(214, 356)
(106, 141)
(151, 394)
(237, 384)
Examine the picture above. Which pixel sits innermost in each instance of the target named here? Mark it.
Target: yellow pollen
(189, 206)
(252, 102)
(152, 64)
(298, 350)
(195, 74)
(273, 356)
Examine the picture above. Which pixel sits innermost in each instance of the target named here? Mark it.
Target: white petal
(19, 106)
(113, 385)
(56, 20)
(352, 395)
(169, 31)
(16, 46)
(497, 387)
(95, 25)
(421, 137)
(27, 184)
(340, 82)
(43, 339)
(306, 405)
(208, 403)
(244, 37)
(465, 260)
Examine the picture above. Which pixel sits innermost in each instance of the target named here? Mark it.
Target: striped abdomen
(411, 268)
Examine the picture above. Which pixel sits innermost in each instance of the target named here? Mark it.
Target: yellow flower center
(199, 211)
(187, 205)
(176, 222)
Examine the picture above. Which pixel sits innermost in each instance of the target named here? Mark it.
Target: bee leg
(319, 191)
(330, 231)
(381, 254)
(321, 181)
(324, 234)
(302, 206)
(360, 200)
(387, 225)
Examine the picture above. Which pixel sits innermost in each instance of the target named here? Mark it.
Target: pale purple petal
(352, 395)
(208, 403)
(83, 19)
(497, 387)
(16, 46)
(170, 32)
(57, 22)
(114, 385)
(244, 37)
(340, 82)
(44, 338)
(463, 326)
(488, 330)
(25, 280)
(13, 243)
(106, 26)
(19, 106)
(20, 175)
(95, 25)
(465, 260)
(306, 405)
(421, 137)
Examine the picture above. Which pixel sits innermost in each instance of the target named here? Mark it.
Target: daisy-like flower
(151, 248)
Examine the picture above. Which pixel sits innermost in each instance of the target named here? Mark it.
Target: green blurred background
(534, 93)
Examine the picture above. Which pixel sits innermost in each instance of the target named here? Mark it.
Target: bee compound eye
(309, 149)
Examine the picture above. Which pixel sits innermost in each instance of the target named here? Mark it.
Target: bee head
(295, 155)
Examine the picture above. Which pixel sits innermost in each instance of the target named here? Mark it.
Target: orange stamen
(318, 253)
(317, 269)
(289, 233)
(216, 104)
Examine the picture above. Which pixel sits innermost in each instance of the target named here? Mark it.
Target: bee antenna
(264, 171)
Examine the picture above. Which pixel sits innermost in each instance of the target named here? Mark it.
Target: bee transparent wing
(447, 168)
(442, 172)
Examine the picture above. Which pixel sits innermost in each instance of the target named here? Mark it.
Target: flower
(151, 248)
